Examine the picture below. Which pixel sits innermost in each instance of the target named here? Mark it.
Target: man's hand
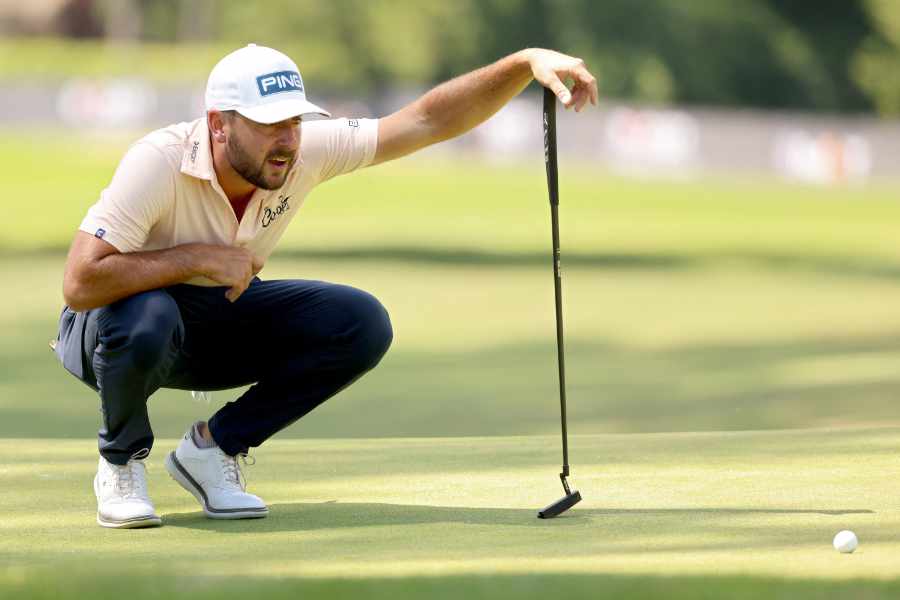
(552, 69)
(228, 265)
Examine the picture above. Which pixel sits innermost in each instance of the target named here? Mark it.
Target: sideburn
(241, 162)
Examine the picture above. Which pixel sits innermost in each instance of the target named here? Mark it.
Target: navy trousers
(298, 342)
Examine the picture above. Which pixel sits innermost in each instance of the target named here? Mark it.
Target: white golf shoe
(215, 480)
(121, 491)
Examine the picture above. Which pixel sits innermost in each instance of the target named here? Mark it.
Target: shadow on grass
(163, 583)
(829, 265)
(511, 389)
(298, 516)
(836, 265)
(434, 533)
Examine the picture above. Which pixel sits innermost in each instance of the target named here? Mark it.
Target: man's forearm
(116, 276)
(457, 106)
(460, 104)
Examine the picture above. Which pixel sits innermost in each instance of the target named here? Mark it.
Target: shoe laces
(201, 396)
(231, 468)
(129, 478)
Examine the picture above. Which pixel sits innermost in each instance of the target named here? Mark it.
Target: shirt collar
(197, 158)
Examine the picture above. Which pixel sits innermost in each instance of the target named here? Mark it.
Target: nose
(289, 136)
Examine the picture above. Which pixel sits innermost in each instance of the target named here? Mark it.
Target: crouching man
(160, 283)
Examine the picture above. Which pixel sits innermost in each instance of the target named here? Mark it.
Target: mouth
(279, 162)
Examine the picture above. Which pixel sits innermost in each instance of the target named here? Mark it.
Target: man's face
(262, 154)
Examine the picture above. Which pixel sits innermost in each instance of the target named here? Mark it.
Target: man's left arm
(460, 104)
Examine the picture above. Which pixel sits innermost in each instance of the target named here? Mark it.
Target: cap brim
(282, 110)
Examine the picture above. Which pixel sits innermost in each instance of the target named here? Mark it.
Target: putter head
(560, 506)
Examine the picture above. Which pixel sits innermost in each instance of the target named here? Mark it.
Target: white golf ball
(845, 542)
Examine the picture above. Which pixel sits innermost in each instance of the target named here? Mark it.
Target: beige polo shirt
(165, 193)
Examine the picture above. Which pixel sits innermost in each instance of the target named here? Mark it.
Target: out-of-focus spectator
(78, 19)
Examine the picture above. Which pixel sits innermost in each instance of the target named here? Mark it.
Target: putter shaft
(553, 187)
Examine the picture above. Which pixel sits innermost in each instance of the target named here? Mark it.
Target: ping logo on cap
(282, 81)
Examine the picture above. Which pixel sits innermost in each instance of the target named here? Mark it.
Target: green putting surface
(750, 507)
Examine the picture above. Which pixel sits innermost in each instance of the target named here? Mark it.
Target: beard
(254, 172)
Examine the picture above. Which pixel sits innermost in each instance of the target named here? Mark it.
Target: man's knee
(147, 327)
(372, 331)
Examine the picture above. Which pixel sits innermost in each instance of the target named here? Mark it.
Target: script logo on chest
(271, 214)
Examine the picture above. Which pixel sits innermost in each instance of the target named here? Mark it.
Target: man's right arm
(98, 274)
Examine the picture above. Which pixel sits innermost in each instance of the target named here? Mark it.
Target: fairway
(709, 305)
(741, 509)
(474, 353)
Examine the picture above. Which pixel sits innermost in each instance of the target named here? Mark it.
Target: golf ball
(845, 542)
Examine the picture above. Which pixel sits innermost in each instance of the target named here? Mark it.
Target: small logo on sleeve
(353, 122)
(281, 81)
(100, 233)
(194, 149)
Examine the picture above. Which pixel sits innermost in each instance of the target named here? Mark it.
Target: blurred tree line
(830, 55)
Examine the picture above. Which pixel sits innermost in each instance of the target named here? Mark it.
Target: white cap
(260, 83)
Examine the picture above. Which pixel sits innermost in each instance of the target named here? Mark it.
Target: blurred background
(730, 213)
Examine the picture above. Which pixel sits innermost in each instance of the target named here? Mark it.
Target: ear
(215, 120)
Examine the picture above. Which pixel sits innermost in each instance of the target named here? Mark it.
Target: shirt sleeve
(141, 189)
(337, 146)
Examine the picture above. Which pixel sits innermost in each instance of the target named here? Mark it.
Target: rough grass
(439, 212)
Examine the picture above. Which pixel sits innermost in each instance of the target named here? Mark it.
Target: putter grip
(550, 144)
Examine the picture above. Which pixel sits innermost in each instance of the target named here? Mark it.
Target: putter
(572, 497)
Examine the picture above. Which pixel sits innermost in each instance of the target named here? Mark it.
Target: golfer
(160, 283)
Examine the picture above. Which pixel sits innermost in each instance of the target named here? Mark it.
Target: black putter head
(560, 506)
